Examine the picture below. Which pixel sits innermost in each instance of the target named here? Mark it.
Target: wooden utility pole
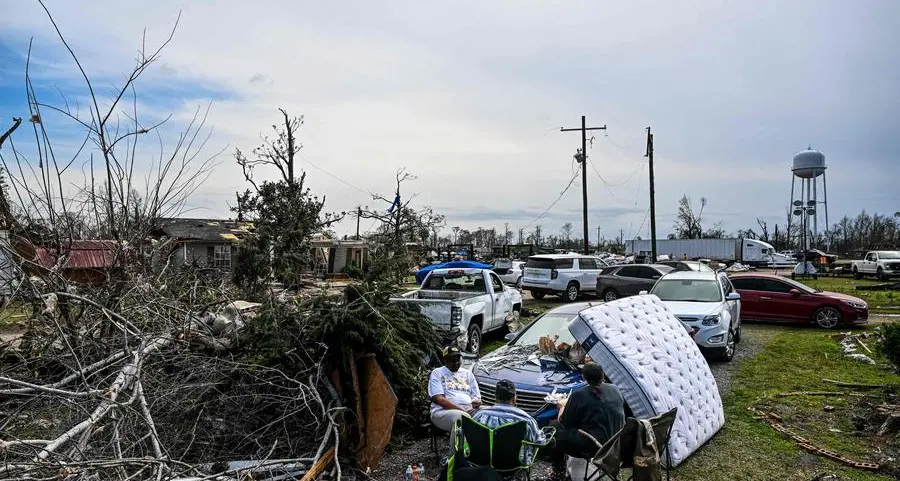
(649, 155)
(358, 216)
(582, 159)
(598, 239)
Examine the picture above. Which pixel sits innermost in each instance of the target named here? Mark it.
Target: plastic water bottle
(409, 472)
(421, 472)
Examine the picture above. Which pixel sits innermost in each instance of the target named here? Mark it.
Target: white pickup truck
(463, 304)
(881, 264)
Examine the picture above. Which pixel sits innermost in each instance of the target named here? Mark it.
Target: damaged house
(206, 243)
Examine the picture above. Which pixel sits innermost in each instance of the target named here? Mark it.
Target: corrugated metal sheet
(83, 254)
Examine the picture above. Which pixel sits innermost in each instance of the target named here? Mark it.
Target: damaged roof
(82, 254)
(212, 230)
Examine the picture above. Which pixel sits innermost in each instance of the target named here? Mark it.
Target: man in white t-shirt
(453, 390)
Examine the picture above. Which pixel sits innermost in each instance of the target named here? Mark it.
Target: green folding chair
(499, 448)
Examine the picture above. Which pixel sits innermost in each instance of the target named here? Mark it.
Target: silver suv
(565, 275)
(709, 307)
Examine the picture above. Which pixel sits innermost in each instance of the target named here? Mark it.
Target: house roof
(212, 230)
(83, 254)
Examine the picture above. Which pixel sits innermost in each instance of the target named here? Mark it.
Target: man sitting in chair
(506, 412)
(453, 391)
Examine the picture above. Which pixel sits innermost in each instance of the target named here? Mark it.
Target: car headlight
(856, 304)
(711, 320)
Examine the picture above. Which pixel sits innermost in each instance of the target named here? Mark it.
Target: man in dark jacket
(597, 409)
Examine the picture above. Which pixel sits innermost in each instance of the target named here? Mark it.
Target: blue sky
(470, 96)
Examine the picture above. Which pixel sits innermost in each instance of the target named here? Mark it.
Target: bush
(889, 347)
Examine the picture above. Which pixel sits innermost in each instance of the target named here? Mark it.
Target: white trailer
(746, 251)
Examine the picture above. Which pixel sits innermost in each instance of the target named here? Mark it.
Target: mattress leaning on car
(647, 353)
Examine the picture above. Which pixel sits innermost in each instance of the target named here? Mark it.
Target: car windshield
(888, 255)
(547, 325)
(688, 290)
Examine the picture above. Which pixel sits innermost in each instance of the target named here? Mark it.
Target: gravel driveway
(754, 340)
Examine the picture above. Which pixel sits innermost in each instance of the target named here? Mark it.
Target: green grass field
(794, 359)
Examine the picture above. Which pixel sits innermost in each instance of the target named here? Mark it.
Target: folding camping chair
(499, 448)
(619, 451)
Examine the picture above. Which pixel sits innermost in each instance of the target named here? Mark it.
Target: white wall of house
(201, 253)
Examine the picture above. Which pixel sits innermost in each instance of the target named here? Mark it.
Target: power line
(348, 184)
(608, 185)
(561, 194)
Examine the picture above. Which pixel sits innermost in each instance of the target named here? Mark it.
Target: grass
(795, 359)
(879, 301)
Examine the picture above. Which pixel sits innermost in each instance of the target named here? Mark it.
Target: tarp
(423, 272)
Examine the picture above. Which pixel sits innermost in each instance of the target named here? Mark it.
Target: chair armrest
(591, 438)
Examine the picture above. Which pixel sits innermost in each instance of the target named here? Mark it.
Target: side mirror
(795, 292)
(733, 296)
(510, 336)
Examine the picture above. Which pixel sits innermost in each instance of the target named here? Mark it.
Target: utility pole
(598, 240)
(358, 215)
(583, 161)
(649, 155)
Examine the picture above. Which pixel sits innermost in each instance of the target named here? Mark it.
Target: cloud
(470, 96)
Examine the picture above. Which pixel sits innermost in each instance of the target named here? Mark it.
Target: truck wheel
(572, 292)
(880, 275)
(856, 273)
(827, 317)
(474, 344)
(610, 295)
(537, 295)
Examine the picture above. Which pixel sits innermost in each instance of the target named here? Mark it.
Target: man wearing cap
(506, 412)
(453, 391)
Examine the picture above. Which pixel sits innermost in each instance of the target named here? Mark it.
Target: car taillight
(455, 316)
(554, 274)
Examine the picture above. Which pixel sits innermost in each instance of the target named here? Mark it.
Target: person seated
(453, 391)
(597, 409)
(505, 412)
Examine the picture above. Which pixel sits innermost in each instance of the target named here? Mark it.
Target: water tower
(809, 166)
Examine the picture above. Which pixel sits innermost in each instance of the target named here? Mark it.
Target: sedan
(628, 280)
(535, 376)
(774, 298)
(688, 266)
(708, 306)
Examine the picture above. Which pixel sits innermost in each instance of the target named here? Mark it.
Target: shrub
(889, 347)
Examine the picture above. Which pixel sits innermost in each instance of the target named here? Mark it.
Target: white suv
(566, 275)
(709, 307)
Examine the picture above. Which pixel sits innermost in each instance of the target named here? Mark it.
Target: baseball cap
(451, 351)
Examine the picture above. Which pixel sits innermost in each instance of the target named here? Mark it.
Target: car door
(781, 305)
(587, 274)
(870, 265)
(749, 288)
(502, 303)
(645, 277)
(734, 307)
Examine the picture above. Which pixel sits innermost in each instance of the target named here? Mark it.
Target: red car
(774, 298)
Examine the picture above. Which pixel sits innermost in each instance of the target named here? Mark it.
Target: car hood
(839, 296)
(527, 371)
(683, 308)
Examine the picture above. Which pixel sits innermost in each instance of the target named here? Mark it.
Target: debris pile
(851, 343)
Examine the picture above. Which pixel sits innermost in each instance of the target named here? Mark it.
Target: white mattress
(647, 353)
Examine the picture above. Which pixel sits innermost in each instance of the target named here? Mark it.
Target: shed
(202, 242)
(83, 261)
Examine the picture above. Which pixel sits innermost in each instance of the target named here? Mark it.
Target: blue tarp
(423, 272)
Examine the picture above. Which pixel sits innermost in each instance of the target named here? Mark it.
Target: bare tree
(688, 225)
(566, 231)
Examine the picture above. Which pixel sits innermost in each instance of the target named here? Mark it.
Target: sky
(470, 96)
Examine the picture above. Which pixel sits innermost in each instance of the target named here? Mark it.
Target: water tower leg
(790, 245)
(815, 199)
(825, 204)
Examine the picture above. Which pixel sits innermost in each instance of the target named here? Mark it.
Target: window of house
(222, 259)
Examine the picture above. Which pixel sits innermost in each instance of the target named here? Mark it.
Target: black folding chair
(619, 451)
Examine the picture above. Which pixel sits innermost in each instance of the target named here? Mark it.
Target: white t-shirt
(459, 387)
